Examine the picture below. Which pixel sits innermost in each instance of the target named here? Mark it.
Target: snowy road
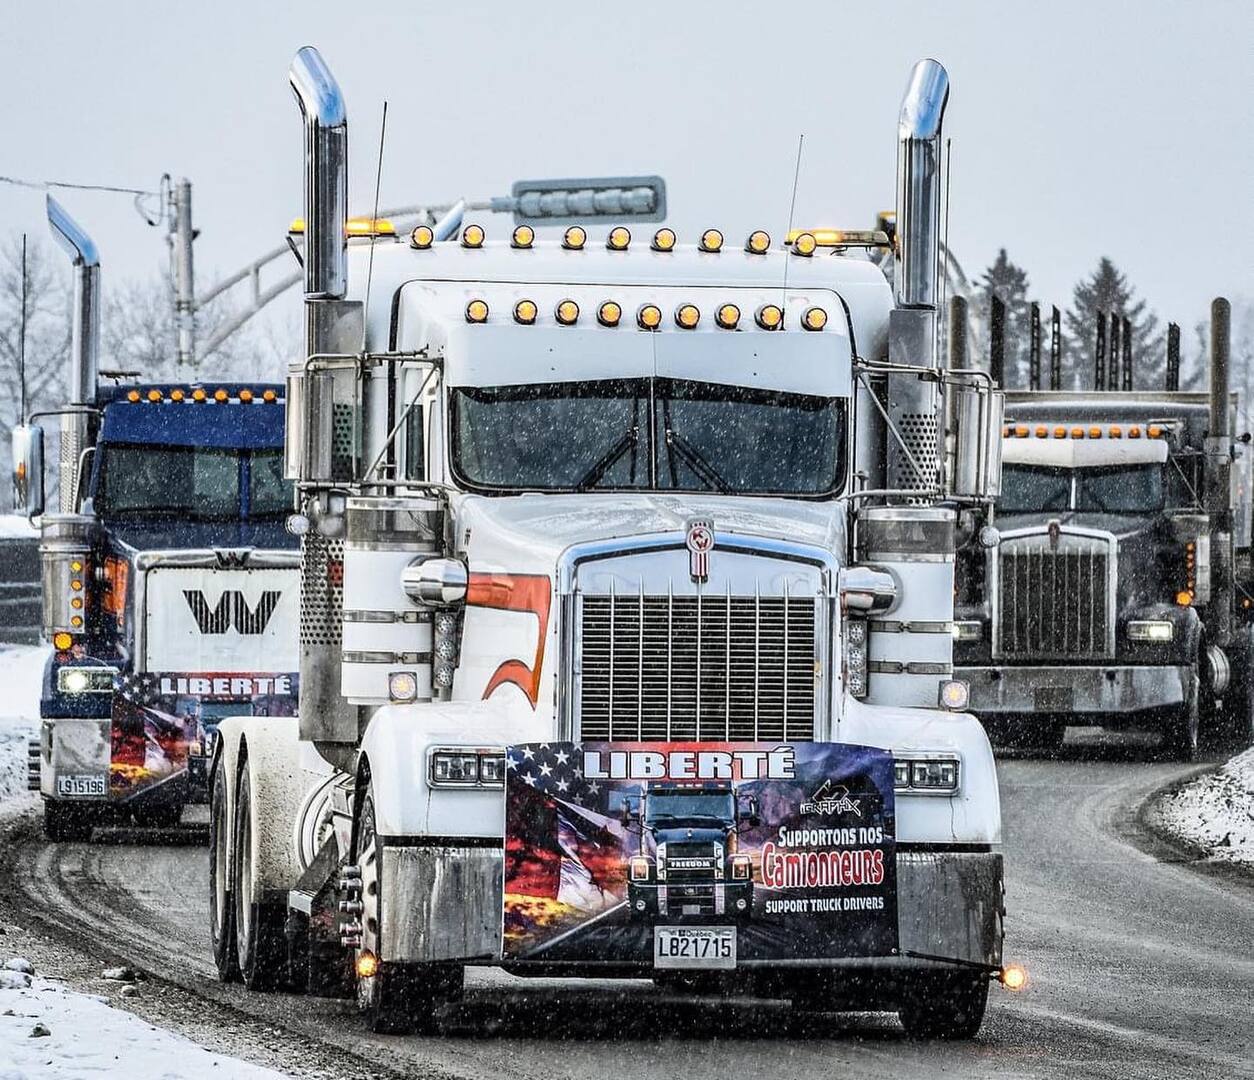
(1139, 967)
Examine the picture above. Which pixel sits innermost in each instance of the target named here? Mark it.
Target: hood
(131, 537)
(679, 833)
(494, 531)
(1122, 526)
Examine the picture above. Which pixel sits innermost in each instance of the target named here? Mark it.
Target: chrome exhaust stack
(1218, 474)
(919, 186)
(84, 364)
(333, 325)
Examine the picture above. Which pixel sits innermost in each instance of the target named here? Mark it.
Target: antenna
(792, 207)
(21, 338)
(374, 239)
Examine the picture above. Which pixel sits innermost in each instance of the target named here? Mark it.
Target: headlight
(466, 767)
(741, 867)
(639, 868)
(930, 774)
(1151, 630)
(968, 630)
(86, 680)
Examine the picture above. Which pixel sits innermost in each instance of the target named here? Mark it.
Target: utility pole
(181, 273)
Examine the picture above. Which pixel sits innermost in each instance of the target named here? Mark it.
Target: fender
(973, 815)
(269, 748)
(395, 749)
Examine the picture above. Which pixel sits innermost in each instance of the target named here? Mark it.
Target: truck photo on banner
(706, 855)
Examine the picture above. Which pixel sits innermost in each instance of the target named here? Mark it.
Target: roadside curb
(1150, 834)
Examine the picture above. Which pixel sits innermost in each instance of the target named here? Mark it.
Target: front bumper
(1108, 688)
(723, 901)
(442, 900)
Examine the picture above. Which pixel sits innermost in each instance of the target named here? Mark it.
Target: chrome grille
(1054, 602)
(704, 668)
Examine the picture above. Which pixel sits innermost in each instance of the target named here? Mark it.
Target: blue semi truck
(169, 583)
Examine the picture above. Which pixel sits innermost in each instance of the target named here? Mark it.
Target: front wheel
(949, 1007)
(260, 939)
(1180, 735)
(65, 821)
(221, 910)
(395, 998)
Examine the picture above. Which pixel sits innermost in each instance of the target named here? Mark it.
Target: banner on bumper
(624, 852)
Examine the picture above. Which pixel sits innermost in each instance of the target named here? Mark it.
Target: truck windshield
(191, 482)
(1025, 489)
(690, 804)
(659, 434)
(1135, 490)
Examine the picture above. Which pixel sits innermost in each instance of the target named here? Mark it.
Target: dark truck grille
(690, 863)
(703, 668)
(1053, 603)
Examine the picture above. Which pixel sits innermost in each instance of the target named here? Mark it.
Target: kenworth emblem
(700, 543)
(231, 608)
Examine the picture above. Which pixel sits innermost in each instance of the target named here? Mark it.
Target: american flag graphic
(139, 688)
(571, 850)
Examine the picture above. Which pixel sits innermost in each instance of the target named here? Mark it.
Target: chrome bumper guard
(444, 902)
(1098, 689)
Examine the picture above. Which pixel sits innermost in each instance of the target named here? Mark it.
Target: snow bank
(52, 1033)
(21, 672)
(1215, 812)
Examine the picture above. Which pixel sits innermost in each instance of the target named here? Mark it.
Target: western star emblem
(232, 608)
(700, 543)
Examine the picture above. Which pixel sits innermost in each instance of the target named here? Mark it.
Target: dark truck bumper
(1060, 691)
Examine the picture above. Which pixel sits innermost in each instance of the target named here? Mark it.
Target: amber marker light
(687, 316)
(1060, 432)
(269, 397)
(663, 240)
(367, 964)
(154, 395)
(1041, 431)
(76, 621)
(712, 240)
(649, 317)
(177, 395)
(422, 237)
(132, 395)
(1021, 431)
(1077, 433)
(567, 312)
(524, 236)
(1095, 433)
(220, 396)
(477, 311)
(525, 312)
(198, 394)
(574, 238)
(472, 236)
(245, 396)
(769, 317)
(1184, 598)
(1155, 431)
(727, 316)
(805, 244)
(619, 238)
(815, 318)
(609, 313)
(1013, 977)
(62, 641)
(759, 242)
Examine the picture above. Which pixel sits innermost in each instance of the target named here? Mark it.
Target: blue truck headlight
(1158, 630)
(86, 680)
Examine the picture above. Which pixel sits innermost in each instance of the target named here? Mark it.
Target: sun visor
(1083, 453)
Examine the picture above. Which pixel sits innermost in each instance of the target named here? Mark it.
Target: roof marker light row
(649, 316)
(1062, 431)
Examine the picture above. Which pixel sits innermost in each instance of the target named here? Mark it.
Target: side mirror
(28, 469)
(975, 469)
(624, 813)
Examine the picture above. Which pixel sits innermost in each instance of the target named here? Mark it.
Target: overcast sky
(1079, 129)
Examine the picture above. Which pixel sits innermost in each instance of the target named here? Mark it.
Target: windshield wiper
(629, 441)
(693, 458)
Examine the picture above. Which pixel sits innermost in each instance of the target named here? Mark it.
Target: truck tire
(1235, 722)
(65, 821)
(1180, 733)
(161, 816)
(221, 908)
(399, 999)
(945, 1007)
(260, 941)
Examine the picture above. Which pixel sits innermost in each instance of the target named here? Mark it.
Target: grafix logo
(231, 608)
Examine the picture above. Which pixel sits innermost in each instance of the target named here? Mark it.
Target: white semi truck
(582, 514)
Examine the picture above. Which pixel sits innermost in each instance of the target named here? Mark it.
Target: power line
(41, 185)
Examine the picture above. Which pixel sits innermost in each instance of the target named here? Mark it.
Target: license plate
(694, 946)
(81, 785)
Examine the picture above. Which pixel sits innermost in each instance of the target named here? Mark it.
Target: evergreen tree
(1104, 293)
(1009, 282)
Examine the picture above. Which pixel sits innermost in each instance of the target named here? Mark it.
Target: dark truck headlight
(741, 868)
(1159, 631)
(465, 767)
(639, 868)
(86, 680)
(927, 774)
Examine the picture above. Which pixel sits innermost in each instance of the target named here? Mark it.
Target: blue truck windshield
(189, 482)
(658, 434)
(695, 804)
